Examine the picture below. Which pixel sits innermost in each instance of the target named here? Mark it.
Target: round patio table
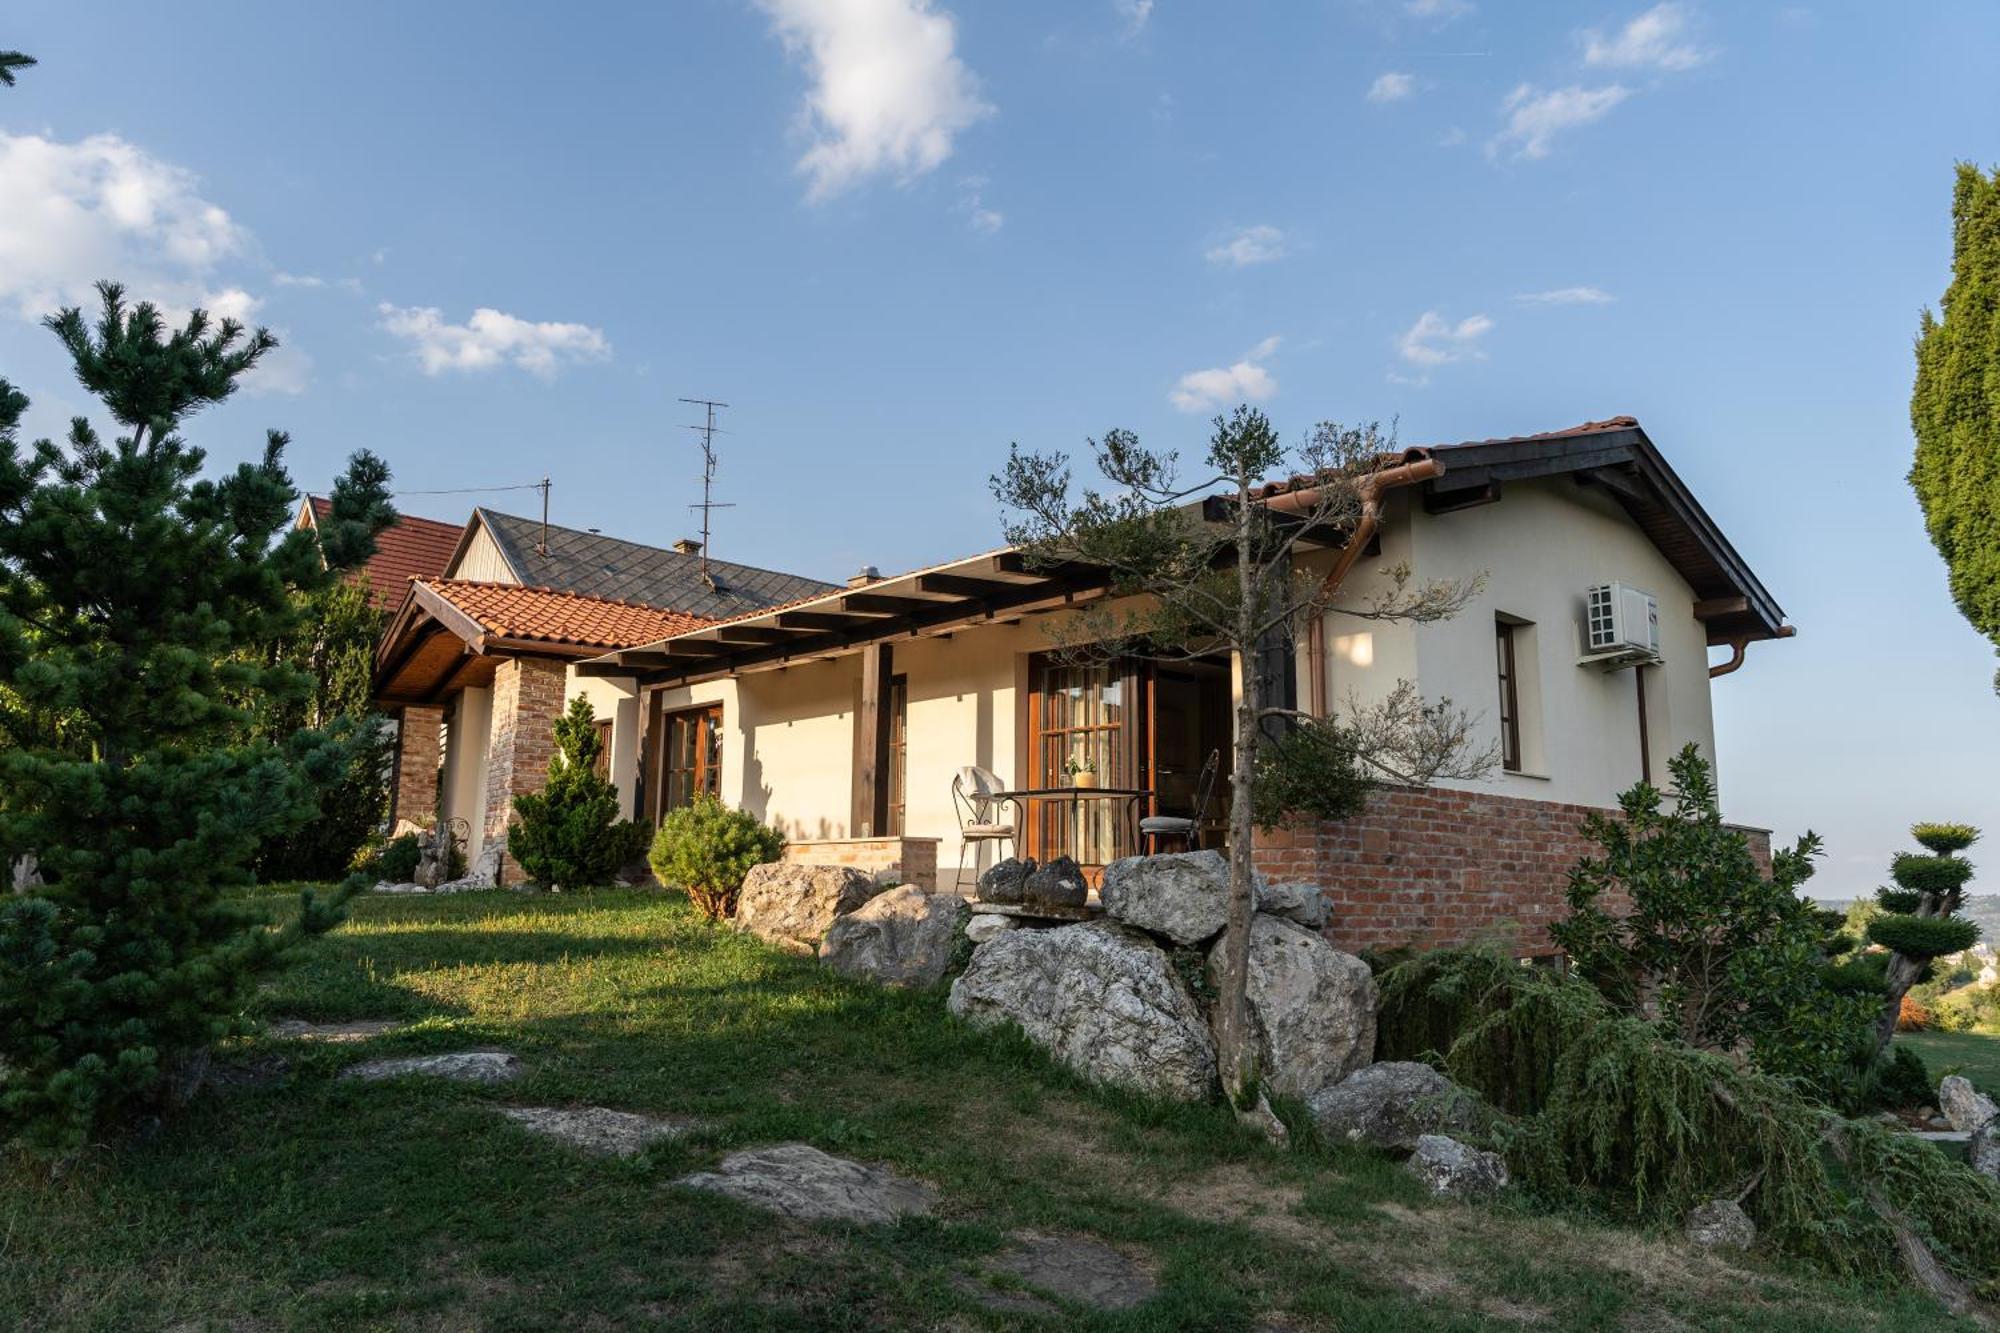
(1134, 798)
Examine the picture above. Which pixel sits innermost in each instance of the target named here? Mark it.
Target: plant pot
(1087, 781)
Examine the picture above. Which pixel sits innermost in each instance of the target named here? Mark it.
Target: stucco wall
(617, 700)
(467, 736)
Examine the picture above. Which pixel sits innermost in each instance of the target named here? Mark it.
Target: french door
(1093, 718)
(689, 759)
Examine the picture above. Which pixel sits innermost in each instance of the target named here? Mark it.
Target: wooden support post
(871, 745)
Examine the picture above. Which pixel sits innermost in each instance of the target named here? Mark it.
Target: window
(690, 757)
(1510, 697)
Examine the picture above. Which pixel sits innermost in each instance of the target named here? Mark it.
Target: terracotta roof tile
(546, 615)
(411, 547)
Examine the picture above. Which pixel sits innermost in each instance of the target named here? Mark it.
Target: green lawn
(314, 1204)
(1973, 1054)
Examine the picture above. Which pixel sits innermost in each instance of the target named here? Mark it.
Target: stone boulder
(1721, 1224)
(1103, 999)
(1964, 1106)
(1181, 895)
(792, 906)
(1312, 1007)
(1982, 1149)
(900, 937)
(596, 1129)
(1302, 904)
(1005, 882)
(1453, 1170)
(798, 1180)
(983, 926)
(1392, 1105)
(1057, 883)
(457, 1066)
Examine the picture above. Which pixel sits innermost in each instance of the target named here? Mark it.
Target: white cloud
(1435, 341)
(1134, 14)
(1260, 244)
(1392, 87)
(1245, 381)
(888, 93)
(1535, 117)
(491, 338)
(71, 213)
(1444, 11)
(1451, 138)
(1657, 39)
(972, 203)
(1568, 296)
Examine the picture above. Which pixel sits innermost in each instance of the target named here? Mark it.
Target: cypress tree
(1955, 407)
(569, 833)
(134, 595)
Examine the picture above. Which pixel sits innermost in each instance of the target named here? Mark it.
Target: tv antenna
(708, 431)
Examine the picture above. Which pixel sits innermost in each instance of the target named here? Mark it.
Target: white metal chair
(1158, 828)
(976, 800)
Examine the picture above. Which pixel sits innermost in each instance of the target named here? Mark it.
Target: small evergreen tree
(569, 833)
(1955, 406)
(132, 593)
(11, 61)
(1712, 949)
(705, 849)
(1917, 922)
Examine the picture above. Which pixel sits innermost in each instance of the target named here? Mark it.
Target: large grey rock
(458, 1066)
(901, 937)
(1453, 1170)
(1392, 1105)
(1964, 1106)
(1721, 1224)
(1182, 895)
(983, 926)
(798, 1180)
(1076, 1268)
(1103, 999)
(360, 1029)
(596, 1129)
(792, 906)
(1303, 904)
(1057, 883)
(1982, 1149)
(1312, 1007)
(1005, 881)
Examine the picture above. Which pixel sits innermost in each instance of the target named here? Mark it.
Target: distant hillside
(1982, 909)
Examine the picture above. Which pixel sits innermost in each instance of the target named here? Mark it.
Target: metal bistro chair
(976, 800)
(1156, 829)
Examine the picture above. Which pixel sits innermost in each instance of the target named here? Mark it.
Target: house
(480, 658)
(842, 716)
(411, 547)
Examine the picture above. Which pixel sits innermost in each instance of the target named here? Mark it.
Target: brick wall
(527, 700)
(1435, 867)
(912, 860)
(417, 765)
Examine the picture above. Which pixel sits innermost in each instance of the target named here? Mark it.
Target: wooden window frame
(1507, 670)
(707, 775)
(604, 732)
(896, 757)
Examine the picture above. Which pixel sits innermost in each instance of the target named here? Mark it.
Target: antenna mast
(708, 431)
(542, 547)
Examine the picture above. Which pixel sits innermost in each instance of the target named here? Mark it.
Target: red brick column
(417, 764)
(527, 700)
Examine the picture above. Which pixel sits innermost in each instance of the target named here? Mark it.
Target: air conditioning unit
(1621, 627)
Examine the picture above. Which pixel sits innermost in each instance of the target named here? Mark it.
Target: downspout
(1371, 488)
(1736, 650)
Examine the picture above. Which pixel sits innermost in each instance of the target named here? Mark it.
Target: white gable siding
(481, 560)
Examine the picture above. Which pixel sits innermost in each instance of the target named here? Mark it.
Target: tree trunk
(1902, 974)
(1236, 1052)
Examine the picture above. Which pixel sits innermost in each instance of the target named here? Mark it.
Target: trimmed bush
(1944, 839)
(569, 832)
(1924, 937)
(397, 861)
(705, 849)
(1936, 875)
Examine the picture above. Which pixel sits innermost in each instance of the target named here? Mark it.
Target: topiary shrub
(569, 832)
(1919, 919)
(1924, 937)
(705, 849)
(397, 861)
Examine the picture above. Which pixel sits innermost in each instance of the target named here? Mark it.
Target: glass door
(1089, 723)
(690, 757)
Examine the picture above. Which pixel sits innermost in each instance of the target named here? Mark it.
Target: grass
(1973, 1054)
(317, 1204)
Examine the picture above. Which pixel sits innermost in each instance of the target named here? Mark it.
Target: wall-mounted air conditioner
(1621, 627)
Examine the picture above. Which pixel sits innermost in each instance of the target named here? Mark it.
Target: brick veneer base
(912, 860)
(1436, 867)
(417, 764)
(527, 700)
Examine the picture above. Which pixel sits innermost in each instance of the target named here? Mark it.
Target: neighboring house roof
(601, 566)
(411, 547)
(451, 633)
(1614, 455)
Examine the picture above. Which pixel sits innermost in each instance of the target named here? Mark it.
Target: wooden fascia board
(446, 613)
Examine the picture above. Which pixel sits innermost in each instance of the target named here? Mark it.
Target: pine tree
(133, 594)
(1955, 407)
(569, 833)
(1917, 922)
(11, 61)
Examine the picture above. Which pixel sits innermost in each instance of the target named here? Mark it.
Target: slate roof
(547, 615)
(601, 566)
(409, 548)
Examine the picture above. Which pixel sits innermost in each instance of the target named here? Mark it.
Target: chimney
(688, 546)
(864, 576)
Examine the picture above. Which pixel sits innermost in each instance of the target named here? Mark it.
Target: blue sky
(897, 236)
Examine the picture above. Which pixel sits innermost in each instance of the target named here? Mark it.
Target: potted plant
(1082, 771)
